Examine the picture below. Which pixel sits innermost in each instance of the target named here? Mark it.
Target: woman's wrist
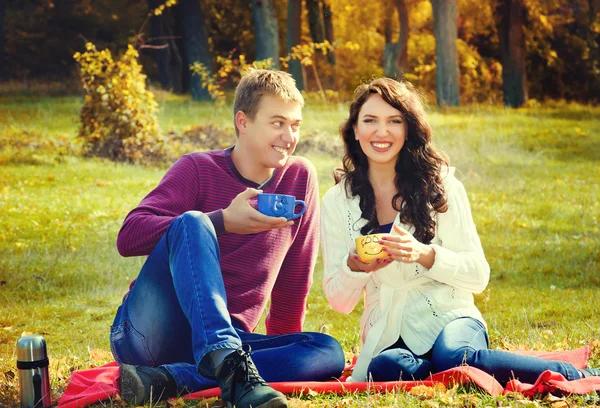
(427, 257)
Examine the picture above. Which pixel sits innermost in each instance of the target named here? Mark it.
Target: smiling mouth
(381, 146)
(280, 149)
(377, 253)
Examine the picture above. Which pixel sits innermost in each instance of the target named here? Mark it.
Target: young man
(214, 262)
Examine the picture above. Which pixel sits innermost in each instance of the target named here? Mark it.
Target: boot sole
(279, 402)
(130, 385)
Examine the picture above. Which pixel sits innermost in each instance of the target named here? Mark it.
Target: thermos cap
(31, 348)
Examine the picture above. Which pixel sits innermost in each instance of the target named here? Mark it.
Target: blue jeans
(176, 313)
(463, 341)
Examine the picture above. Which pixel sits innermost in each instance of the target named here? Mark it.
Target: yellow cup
(368, 248)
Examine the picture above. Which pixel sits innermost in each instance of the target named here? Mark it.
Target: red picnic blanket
(87, 387)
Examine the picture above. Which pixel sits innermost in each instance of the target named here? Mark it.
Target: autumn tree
(294, 31)
(1, 38)
(195, 44)
(164, 45)
(266, 31)
(315, 21)
(445, 13)
(320, 24)
(328, 24)
(511, 18)
(395, 54)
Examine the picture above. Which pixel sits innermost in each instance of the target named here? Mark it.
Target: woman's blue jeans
(463, 341)
(176, 313)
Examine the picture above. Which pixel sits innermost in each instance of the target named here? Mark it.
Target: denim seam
(192, 270)
(481, 330)
(570, 373)
(220, 346)
(284, 346)
(176, 377)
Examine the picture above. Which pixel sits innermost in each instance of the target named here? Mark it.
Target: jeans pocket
(129, 346)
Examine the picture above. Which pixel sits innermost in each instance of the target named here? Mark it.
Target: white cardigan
(402, 299)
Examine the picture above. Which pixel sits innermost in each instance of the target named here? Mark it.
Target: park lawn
(531, 176)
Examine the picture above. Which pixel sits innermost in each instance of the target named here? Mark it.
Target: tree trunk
(445, 13)
(390, 49)
(294, 26)
(592, 11)
(195, 44)
(315, 21)
(266, 31)
(395, 54)
(403, 39)
(2, 39)
(328, 23)
(512, 44)
(168, 59)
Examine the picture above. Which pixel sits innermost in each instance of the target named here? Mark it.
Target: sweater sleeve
(145, 225)
(343, 287)
(459, 259)
(290, 292)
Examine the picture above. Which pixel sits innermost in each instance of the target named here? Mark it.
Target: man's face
(272, 135)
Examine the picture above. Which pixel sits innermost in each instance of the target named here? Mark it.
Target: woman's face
(380, 130)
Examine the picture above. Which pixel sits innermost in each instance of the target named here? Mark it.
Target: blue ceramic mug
(279, 205)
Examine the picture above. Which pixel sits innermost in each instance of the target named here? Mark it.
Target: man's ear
(241, 121)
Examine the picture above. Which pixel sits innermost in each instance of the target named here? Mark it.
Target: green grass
(532, 179)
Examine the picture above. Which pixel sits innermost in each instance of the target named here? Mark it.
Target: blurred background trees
(463, 51)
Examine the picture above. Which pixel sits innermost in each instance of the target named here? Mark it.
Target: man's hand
(241, 218)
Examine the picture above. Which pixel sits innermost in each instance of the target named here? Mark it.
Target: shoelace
(247, 371)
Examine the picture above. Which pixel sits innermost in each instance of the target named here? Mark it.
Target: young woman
(419, 315)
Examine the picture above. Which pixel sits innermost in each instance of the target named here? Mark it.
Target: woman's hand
(405, 248)
(356, 265)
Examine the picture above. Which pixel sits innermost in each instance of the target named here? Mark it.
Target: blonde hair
(260, 82)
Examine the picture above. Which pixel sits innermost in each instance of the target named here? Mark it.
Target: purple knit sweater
(276, 264)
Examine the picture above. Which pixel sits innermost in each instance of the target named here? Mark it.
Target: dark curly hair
(418, 168)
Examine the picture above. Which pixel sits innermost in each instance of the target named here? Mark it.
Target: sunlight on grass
(531, 176)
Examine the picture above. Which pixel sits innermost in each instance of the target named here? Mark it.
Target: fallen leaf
(422, 391)
(177, 403)
(555, 402)
(99, 357)
(344, 402)
(9, 375)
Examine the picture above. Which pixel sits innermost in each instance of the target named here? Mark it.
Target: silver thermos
(32, 362)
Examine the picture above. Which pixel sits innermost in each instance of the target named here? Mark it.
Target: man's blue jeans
(463, 341)
(176, 313)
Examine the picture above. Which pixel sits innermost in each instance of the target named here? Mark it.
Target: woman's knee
(458, 342)
(399, 364)
(447, 359)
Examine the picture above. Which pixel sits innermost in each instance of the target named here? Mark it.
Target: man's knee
(334, 353)
(196, 220)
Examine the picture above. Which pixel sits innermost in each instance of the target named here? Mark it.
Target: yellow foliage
(118, 116)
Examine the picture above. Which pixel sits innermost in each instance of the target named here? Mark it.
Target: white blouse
(402, 299)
